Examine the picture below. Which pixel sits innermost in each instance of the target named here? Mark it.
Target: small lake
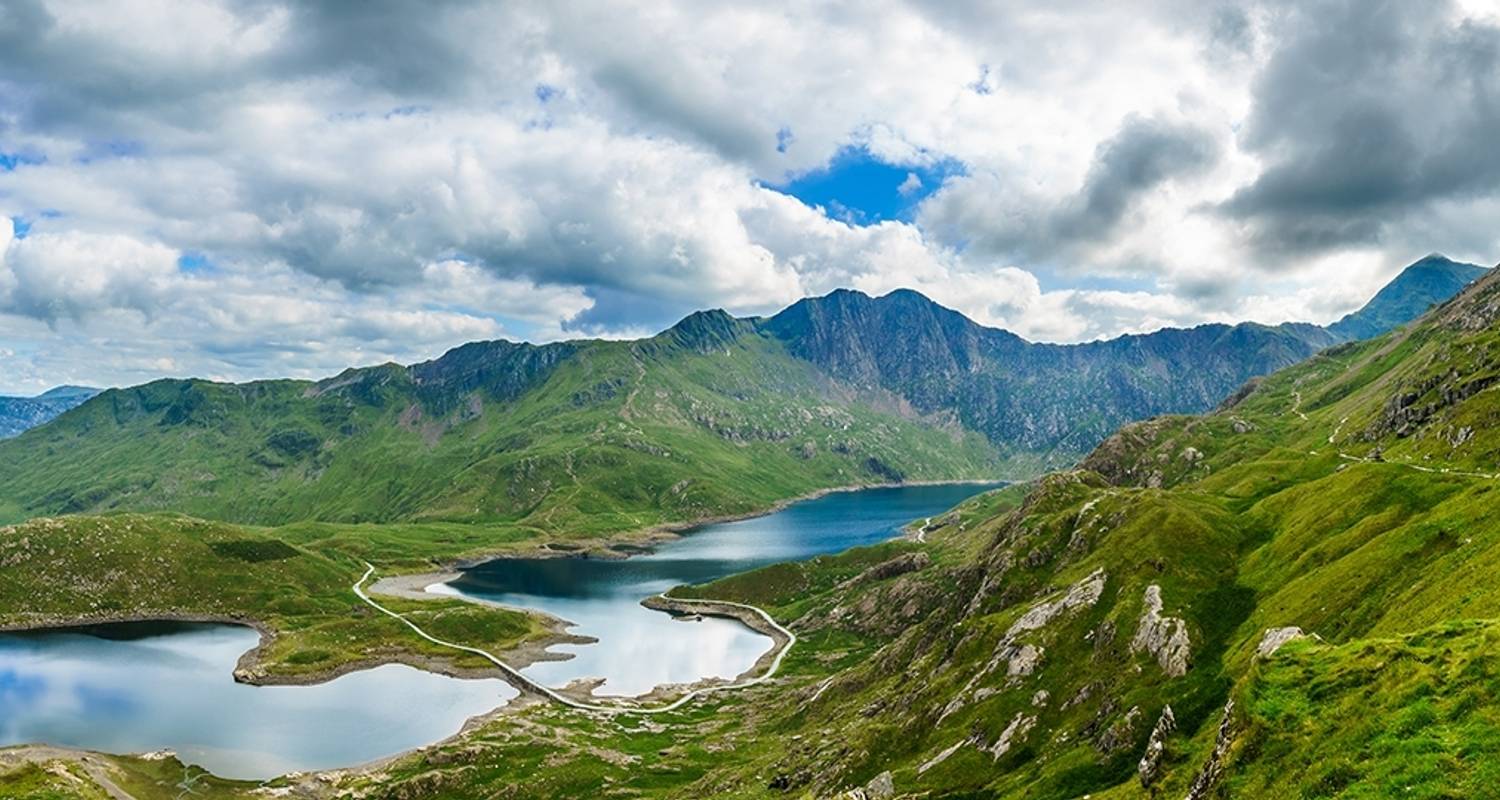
(139, 687)
(640, 649)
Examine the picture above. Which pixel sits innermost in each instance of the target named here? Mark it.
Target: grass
(1244, 519)
(613, 438)
(131, 566)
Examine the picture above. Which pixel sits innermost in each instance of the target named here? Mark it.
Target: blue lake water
(152, 686)
(640, 649)
(140, 687)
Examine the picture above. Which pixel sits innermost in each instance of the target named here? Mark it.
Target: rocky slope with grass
(1289, 596)
(717, 416)
(1292, 595)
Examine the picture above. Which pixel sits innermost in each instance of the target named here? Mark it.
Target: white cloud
(388, 184)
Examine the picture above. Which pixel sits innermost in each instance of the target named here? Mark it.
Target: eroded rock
(1274, 638)
(1149, 769)
(1213, 768)
(1014, 733)
(1165, 638)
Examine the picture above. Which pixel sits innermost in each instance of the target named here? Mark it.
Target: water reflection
(639, 649)
(170, 686)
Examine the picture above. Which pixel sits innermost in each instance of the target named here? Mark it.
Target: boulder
(1274, 638)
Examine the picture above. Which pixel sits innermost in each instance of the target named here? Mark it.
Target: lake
(139, 687)
(640, 649)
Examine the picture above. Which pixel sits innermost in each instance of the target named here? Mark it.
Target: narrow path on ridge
(523, 682)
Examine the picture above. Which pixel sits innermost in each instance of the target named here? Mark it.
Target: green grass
(1246, 518)
(131, 566)
(617, 437)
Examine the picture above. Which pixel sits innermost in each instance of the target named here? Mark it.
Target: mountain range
(1290, 595)
(19, 414)
(717, 415)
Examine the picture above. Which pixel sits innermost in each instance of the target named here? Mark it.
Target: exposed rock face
(1080, 595)
(1119, 734)
(1156, 747)
(1013, 733)
(1213, 769)
(900, 565)
(1165, 638)
(1022, 659)
(881, 787)
(1025, 661)
(1274, 638)
(1026, 395)
(18, 414)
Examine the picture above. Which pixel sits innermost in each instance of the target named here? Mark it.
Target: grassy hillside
(1031, 650)
(603, 437)
(715, 416)
(131, 567)
(1030, 643)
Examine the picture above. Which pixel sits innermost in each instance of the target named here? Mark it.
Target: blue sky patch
(860, 189)
(9, 161)
(194, 261)
(21, 226)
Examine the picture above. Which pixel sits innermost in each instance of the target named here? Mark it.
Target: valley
(1099, 629)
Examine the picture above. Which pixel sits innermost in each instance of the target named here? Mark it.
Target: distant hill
(1418, 288)
(717, 415)
(20, 413)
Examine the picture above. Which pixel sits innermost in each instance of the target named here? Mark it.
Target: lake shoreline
(643, 541)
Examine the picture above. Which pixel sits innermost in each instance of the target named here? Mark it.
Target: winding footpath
(523, 682)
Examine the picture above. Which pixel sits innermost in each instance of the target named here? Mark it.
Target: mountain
(1419, 287)
(1291, 595)
(1043, 405)
(18, 414)
(715, 416)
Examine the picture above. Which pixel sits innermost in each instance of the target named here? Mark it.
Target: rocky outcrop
(1165, 638)
(900, 565)
(1149, 768)
(1013, 734)
(1025, 661)
(1120, 734)
(1213, 769)
(881, 787)
(1274, 638)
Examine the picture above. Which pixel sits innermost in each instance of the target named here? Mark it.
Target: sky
(238, 189)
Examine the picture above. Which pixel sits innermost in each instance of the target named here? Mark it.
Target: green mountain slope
(716, 416)
(570, 437)
(1032, 652)
(1030, 642)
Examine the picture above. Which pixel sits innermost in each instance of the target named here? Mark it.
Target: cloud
(1141, 157)
(1365, 117)
(384, 180)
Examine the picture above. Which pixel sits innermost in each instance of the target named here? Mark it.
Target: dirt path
(1420, 468)
(527, 684)
(1297, 406)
